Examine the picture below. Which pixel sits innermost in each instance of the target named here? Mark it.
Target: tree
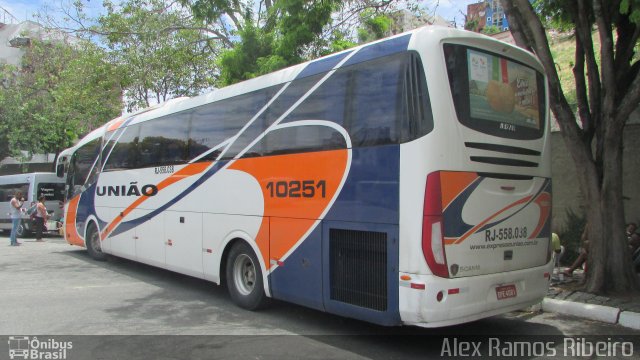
(281, 32)
(290, 26)
(374, 26)
(491, 29)
(60, 92)
(162, 51)
(607, 93)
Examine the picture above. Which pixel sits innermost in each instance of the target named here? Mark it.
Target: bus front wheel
(94, 244)
(244, 278)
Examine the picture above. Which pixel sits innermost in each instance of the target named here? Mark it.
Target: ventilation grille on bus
(358, 261)
(505, 150)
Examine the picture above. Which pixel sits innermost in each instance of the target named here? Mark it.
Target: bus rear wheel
(94, 245)
(244, 278)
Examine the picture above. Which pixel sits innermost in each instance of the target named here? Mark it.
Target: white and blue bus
(405, 181)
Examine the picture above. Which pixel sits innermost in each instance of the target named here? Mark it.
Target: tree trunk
(609, 262)
(603, 110)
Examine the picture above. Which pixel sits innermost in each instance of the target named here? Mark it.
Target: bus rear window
(494, 94)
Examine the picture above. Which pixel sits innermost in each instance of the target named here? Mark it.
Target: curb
(630, 319)
(601, 313)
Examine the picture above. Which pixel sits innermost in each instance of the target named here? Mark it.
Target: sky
(24, 9)
(448, 9)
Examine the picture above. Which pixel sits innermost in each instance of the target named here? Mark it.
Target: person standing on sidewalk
(16, 216)
(40, 218)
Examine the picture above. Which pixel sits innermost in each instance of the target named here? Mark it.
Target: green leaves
(160, 49)
(374, 26)
(631, 8)
(58, 94)
(290, 27)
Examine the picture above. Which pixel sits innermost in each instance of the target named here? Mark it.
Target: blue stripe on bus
(369, 201)
(322, 66)
(371, 192)
(384, 48)
(86, 208)
(128, 225)
(299, 280)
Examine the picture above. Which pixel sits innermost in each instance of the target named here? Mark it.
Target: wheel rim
(20, 230)
(95, 241)
(244, 274)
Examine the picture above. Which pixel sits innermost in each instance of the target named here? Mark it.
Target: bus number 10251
(297, 188)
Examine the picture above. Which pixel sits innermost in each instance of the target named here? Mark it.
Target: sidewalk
(565, 297)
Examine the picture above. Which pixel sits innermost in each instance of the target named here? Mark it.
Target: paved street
(53, 288)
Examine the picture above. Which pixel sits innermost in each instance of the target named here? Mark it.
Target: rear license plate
(506, 292)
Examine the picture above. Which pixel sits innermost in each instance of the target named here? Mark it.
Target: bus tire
(244, 278)
(94, 244)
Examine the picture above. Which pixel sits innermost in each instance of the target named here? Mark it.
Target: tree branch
(534, 35)
(581, 89)
(581, 15)
(603, 20)
(629, 102)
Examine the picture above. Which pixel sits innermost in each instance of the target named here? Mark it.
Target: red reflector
(454, 291)
(417, 286)
(280, 263)
(546, 275)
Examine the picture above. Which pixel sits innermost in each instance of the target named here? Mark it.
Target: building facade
(486, 13)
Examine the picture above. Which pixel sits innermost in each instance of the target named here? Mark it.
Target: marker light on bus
(432, 239)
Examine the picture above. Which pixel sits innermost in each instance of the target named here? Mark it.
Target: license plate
(506, 292)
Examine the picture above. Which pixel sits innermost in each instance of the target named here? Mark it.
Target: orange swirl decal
(449, 241)
(71, 233)
(296, 186)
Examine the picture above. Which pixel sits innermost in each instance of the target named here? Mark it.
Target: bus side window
(124, 154)
(211, 125)
(418, 119)
(241, 109)
(303, 139)
(164, 141)
(374, 108)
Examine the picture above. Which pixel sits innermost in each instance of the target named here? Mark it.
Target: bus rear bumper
(469, 298)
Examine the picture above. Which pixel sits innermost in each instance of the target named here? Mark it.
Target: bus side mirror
(60, 170)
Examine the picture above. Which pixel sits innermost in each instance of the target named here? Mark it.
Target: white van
(31, 185)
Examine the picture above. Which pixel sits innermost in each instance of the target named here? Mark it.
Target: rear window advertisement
(502, 91)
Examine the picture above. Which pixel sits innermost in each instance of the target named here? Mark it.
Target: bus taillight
(432, 234)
